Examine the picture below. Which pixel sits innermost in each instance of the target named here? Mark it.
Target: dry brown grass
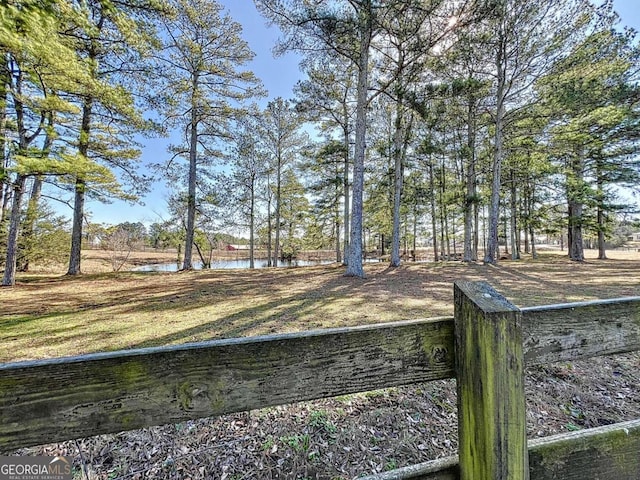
(48, 316)
(335, 439)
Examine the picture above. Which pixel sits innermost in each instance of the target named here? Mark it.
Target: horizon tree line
(494, 121)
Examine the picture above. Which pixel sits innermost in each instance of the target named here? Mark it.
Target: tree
(295, 209)
(324, 170)
(247, 177)
(524, 49)
(163, 235)
(281, 140)
(41, 67)
(120, 240)
(202, 85)
(360, 31)
(345, 28)
(327, 97)
(594, 97)
(114, 40)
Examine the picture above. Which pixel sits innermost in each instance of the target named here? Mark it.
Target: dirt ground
(338, 438)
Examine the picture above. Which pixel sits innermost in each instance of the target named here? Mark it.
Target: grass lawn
(51, 315)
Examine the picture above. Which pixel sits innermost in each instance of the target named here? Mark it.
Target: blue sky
(279, 75)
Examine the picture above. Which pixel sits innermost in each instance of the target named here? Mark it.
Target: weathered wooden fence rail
(485, 346)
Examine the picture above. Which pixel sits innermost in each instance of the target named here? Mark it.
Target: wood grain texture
(440, 469)
(604, 453)
(581, 330)
(54, 400)
(490, 383)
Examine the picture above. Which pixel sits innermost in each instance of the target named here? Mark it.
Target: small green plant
(572, 427)
(268, 444)
(320, 420)
(390, 465)
(300, 443)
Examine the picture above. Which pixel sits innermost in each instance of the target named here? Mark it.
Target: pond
(227, 264)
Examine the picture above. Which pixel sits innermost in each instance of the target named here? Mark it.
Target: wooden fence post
(490, 383)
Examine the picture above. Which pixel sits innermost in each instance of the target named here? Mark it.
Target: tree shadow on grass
(109, 311)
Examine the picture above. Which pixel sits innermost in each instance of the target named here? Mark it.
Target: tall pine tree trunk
(336, 216)
(354, 262)
(276, 247)
(269, 225)
(470, 200)
(498, 153)
(345, 187)
(9, 277)
(515, 233)
(476, 229)
(397, 185)
(252, 220)
(76, 229)
(574, 196)
(576, 248)
(602, 250)
(187, 263)
(601, 217)
(80, 187)
(434, 218)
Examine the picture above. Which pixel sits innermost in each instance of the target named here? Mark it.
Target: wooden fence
(486, 346)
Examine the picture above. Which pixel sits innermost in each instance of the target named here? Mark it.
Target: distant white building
(634, 237)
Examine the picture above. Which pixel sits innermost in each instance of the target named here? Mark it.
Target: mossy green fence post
(490, 379)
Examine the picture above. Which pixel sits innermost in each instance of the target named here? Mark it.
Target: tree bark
(354, 261)
(601, 217)
(345, 184)
(470, 201)
(494, 203)
(515, 234)
(602, 250)
(80, 187)
(191, 194)
(252, 217)
(574, 196)
(276, 248)
(269, 225)
(336, 214)
(576, 249)
(9, 277)
(534, 252)
(398, 181)
(76, 231)
(434, 220)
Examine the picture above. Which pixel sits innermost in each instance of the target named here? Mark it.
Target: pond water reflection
(227, 264)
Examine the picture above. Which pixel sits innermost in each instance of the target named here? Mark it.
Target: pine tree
(114, 39)
(41, 68)
(281, 139)
(203, 85)
(592, 100)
